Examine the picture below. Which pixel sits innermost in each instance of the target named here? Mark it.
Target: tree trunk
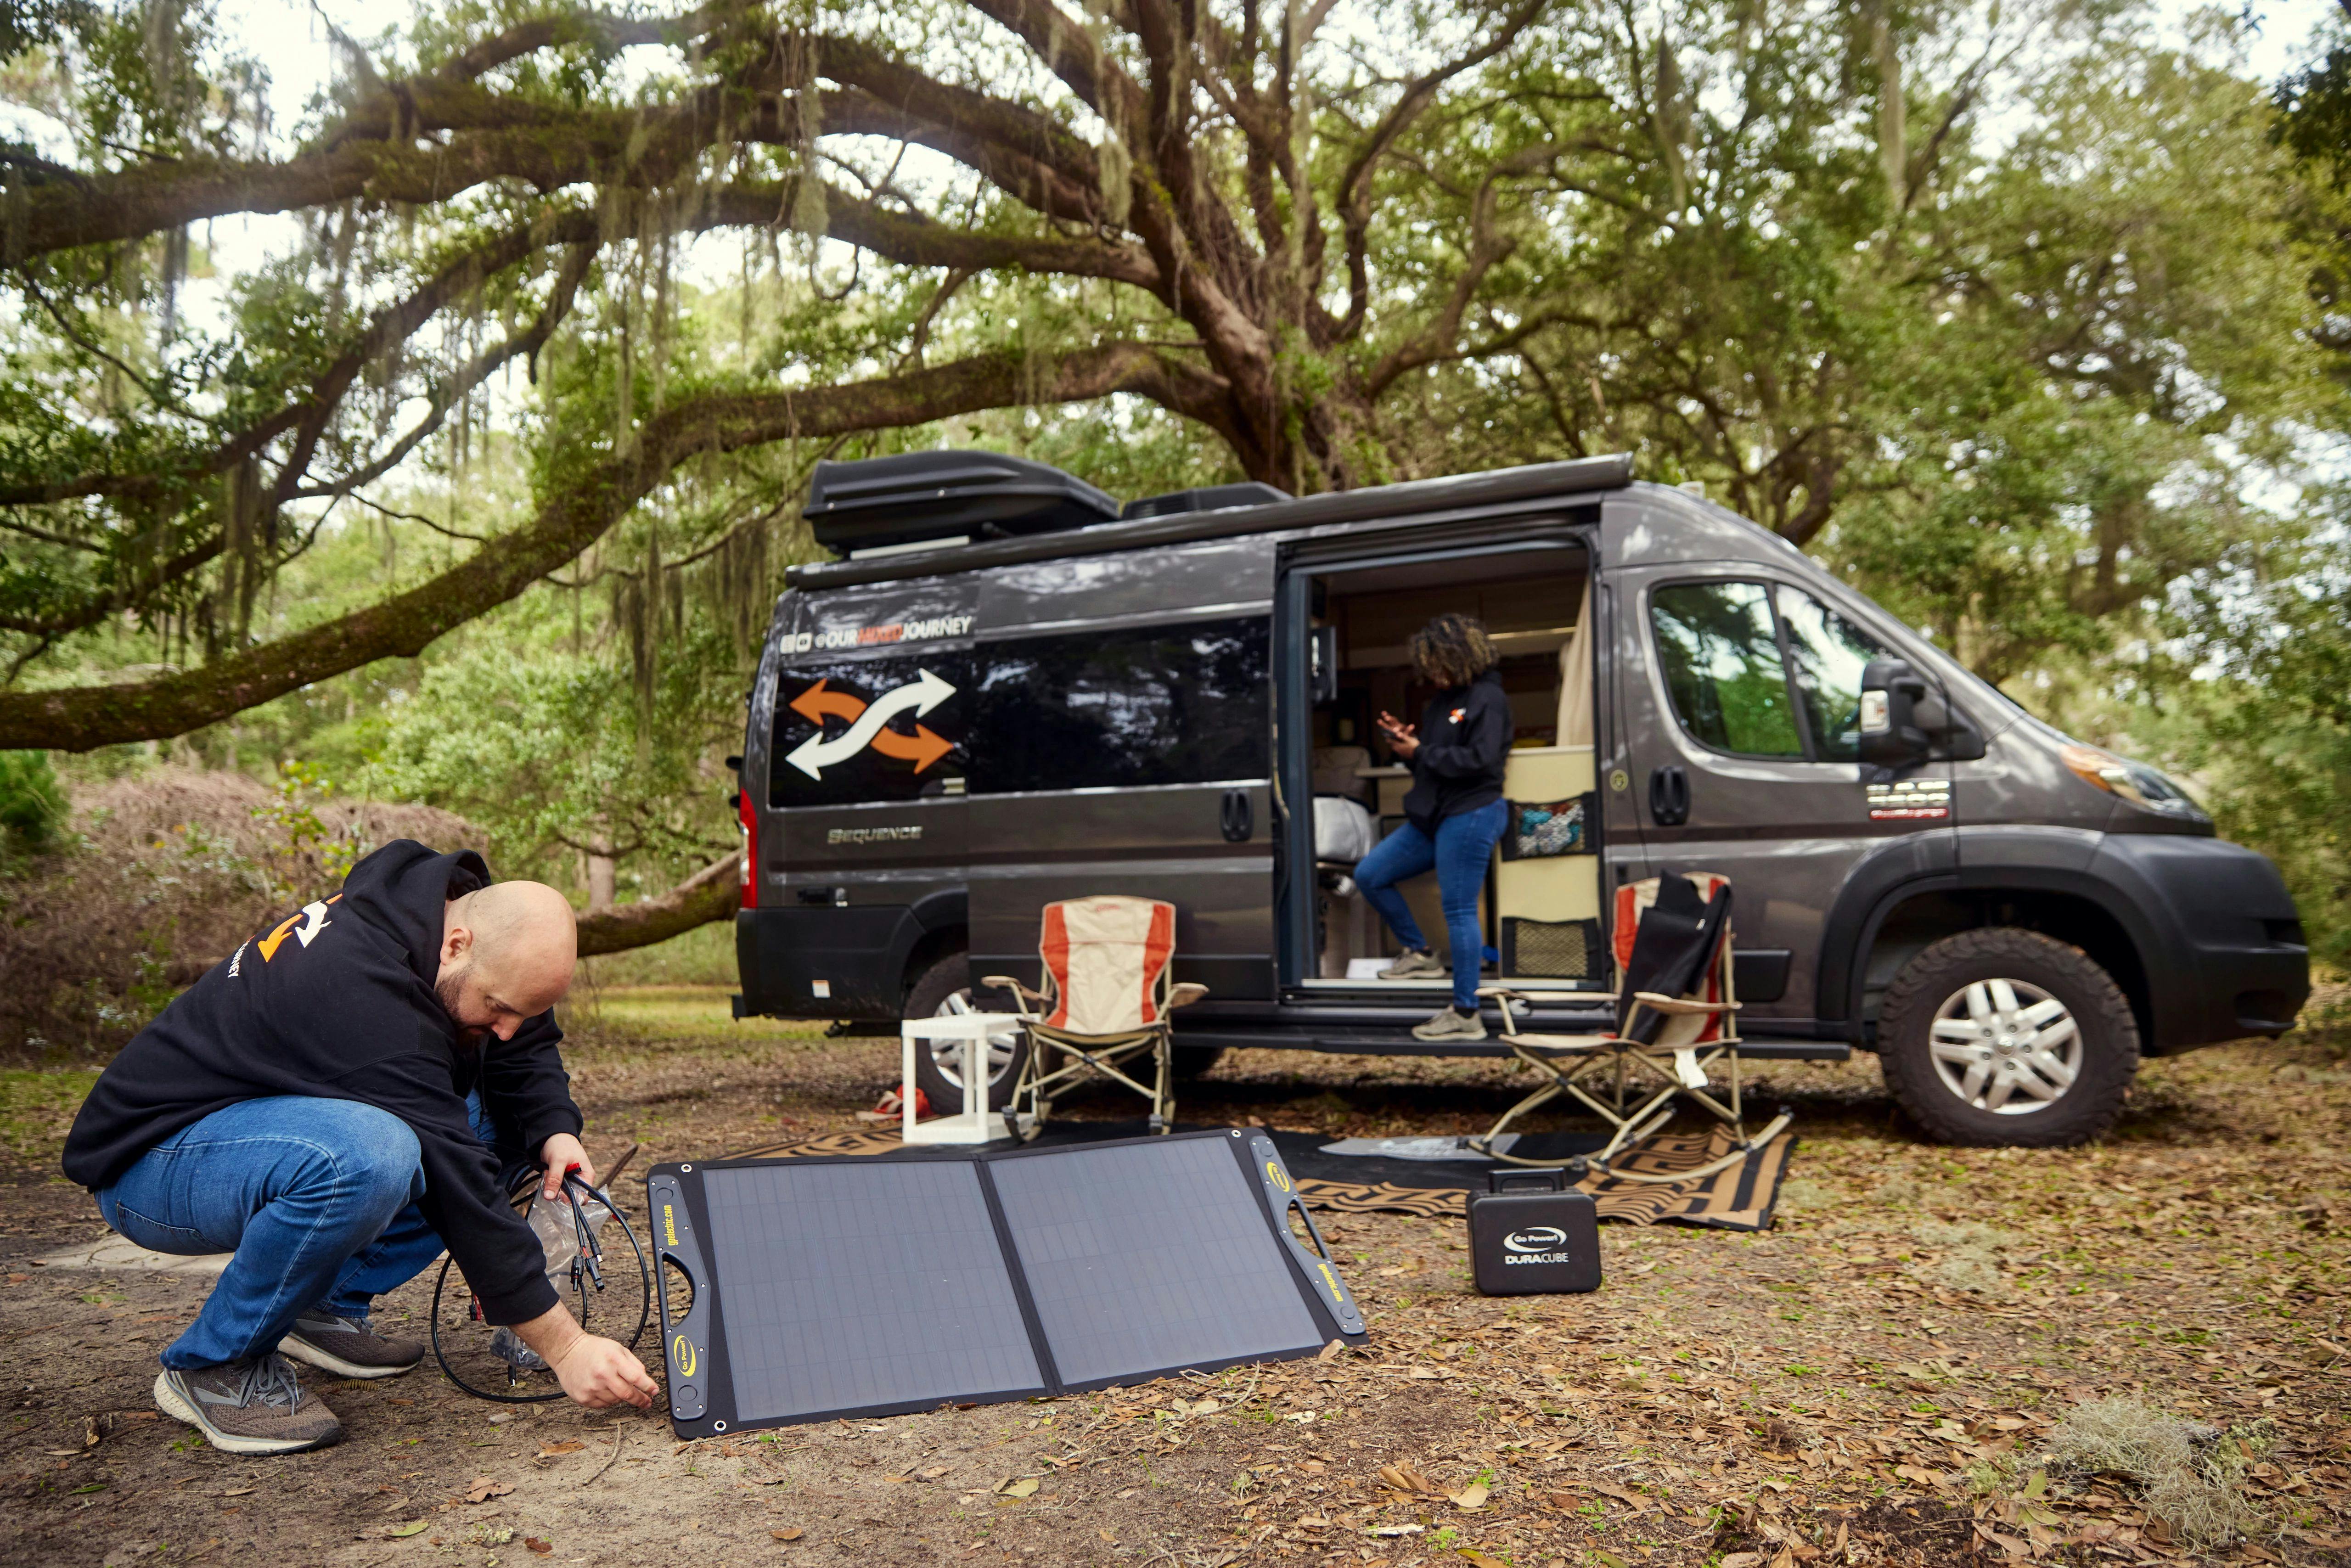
(711, 894)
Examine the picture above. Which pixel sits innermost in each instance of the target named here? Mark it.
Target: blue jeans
(316, 1197)
(1463, 845)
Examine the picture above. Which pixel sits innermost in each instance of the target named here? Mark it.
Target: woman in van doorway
(1453, 816)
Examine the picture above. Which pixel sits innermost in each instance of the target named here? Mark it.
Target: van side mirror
(1323, 663)
(1891, 695)
(1905, 720)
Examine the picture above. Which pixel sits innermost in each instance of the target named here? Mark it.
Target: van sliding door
(1122, 744)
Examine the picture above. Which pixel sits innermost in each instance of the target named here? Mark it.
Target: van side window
(1158, 704)
(1827, 652)
(1720, 658)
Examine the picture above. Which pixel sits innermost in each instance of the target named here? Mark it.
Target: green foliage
(32, 803)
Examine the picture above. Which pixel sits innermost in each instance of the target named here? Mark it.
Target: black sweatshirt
(1464, 739)
(337, 1003)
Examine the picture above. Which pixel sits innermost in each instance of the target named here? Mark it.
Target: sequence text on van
(873, 835)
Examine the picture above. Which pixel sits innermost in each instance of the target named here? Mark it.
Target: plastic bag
(558, 1225)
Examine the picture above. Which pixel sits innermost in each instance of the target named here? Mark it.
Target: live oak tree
(579, 297)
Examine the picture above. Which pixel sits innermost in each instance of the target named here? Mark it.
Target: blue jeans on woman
(316, 1197)
(1462, 847)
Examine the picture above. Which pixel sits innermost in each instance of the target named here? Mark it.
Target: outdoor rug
(1739, 1199)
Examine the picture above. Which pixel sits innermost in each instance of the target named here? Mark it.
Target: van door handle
(1669, 795)
(1233, 816)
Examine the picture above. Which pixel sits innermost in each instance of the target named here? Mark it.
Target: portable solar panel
(799, 1290)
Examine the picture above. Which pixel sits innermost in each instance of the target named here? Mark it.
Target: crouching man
(351, 1091)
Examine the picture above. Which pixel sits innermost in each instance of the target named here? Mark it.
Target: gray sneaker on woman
(1451, 1024)
(1415, 967)
(349, 1347)
(254, 1407)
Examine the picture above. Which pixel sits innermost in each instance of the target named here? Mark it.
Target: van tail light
(747, 815)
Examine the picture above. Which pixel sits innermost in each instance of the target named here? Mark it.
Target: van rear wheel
(2005, 1036)
(941, 990)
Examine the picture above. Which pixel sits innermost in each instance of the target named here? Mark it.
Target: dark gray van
(1011, 690)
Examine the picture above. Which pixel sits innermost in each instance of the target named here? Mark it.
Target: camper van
(1011, 689)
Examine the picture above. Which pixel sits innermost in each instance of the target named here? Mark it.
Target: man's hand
(559, 1153)
(593, 1370)
(598, 1372)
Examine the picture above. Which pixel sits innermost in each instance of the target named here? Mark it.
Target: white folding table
(974, 1124)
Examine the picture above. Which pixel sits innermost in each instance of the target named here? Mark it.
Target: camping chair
(1106, 1002)
(1676, 1018)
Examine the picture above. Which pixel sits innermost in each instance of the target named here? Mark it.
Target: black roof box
(1212, 498)
(922, 495)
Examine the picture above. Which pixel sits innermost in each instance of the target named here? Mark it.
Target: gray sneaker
(254, 1407)
(348, 1347)
(1451, 1025)
(1417, 967)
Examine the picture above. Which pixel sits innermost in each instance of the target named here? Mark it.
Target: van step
(1398, 1041)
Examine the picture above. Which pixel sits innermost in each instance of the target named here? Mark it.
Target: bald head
(508, 952)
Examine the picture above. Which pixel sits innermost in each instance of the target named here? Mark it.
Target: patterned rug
(1739, 1199)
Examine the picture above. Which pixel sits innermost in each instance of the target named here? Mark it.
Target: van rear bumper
(856, 955)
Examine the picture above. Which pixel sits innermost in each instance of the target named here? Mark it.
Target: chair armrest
(1657, 1002)
(1007, 983)
(1519, 996)
(1185, 993)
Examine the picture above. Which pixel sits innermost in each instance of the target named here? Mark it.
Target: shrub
(32, 801)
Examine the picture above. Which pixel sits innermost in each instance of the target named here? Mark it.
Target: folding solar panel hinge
(686, 1337)
(1315, 1262)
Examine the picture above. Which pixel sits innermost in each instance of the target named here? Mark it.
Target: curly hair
(1453, 649)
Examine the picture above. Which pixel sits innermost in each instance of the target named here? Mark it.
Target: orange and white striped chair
(1676, 1019)
(1108, 996)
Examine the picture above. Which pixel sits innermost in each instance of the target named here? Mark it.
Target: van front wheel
(943, 989)
(2007, 1037)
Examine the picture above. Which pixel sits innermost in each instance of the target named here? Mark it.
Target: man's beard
(449, 986)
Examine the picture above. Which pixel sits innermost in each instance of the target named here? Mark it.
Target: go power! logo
(1536, 1244)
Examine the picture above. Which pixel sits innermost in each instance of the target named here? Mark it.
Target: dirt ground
(1877, 1379)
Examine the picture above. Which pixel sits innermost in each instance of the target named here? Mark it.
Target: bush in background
(32, 801)
(148, 881)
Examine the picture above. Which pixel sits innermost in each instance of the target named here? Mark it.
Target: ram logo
(1535, 1238)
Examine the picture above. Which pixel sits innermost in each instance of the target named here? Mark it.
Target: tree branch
(576, 516)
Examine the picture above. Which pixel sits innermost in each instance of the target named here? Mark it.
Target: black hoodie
(1464, 741)
(337, 1003)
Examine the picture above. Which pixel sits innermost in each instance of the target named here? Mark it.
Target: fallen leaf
(238, 1491)
(1396, 1530)
(568, 1445)
(533, 1543)
(402, 1532)
(1332, 1352)
(1470, 1497)
(794, 1533)
(1562, 1500)
(483, 1488)
(1609, 1558)
(1478, 1559)
(1025, 1486)
(1743, 1559)
(1107, 1535)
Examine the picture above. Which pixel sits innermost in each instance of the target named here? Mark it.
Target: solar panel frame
(702, 1368)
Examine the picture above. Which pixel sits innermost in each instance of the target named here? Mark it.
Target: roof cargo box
(1210, 498)
(920, 498)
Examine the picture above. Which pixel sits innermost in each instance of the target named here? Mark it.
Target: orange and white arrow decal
(869, 724)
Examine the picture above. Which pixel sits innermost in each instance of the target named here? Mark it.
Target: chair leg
(1163, 1097)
